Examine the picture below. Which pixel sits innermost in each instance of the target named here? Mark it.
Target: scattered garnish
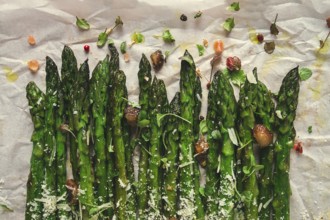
(229, 24)
(72, 187)
(200, 49)
(198, 14)
(86, 48)
(269, 47)
(136, 38)
(305, 73)
(198, 73)
(157, 59)
(273, 27)
(260, 38)
(322, 42)
(169, 52)
(82, 24)
(123, 47)
(33, 66)
(233, 63)
(103, 37)
(298, 147)
(262, 135)
(237, 77)
(183, 17)
(166, 35)
(201, 148)
(131, 115)
(10, 75)
(31, 40)
(310, 129)
(218, 47)
(126, 57)
(328, 22)
(234, 6)
(205, 43)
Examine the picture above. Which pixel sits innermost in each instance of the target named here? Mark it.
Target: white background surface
(301, 24)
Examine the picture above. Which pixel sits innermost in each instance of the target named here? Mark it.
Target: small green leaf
(269, 47)
(234, 6)
(118, 21)
(198, 14)
(229, 24)
(216, 134)
(82, 24)
(310, 129)
(143, 123)
(258, 167)
(305, 73)
(159, 118)
(111, 42)
(164, 160)
(237, 77)
(246, 170)
(167, 37)
(201, 49)
(123, 47)
(203, 127)
(102, 39)
(137, 37)
(202, 191)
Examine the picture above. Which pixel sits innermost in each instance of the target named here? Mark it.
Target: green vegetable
(234, 6)
(273, 27)
(123, 47)
(36, 98)
(229, 24)
(237, 77)
(287, 104)
(305, 73)
(82, 23)
(144, 76)
(201, 49)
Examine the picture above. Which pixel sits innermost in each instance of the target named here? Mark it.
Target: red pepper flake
(298, 147)
(86, 48)
(260, 38)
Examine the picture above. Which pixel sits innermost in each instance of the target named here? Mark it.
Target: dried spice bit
(198, 14)
(218, 47)
(31, 40)
(260, 38)
(33, 66)
(233, 63)
(201, 149)
(328, 22)
(126, 57)
(205, 43)
(208, 85)
(273, 27)
(131, 115)
(82, 24)
(229, 24)
(298, 147)
(86, 48)
(72, 187)
(269, 47)
(198, 73)
(183, 17)
(157, 59)
(262, 135)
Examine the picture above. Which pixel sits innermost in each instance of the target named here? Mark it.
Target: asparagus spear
(227, 108)
(36, 98)
(213, 139)
(98, 93)
(118, 98)
(187, 195)
(265, 115)
(157, 104)
(69, 72)
(247, 166)
(286, 113)
(171, 137)
(144, 76)
(111, 172)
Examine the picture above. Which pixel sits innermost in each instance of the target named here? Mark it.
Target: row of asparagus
(87, 127)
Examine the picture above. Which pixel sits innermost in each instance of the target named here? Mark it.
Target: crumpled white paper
(52, 23)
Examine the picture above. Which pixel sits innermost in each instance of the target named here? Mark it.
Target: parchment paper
(301, 24)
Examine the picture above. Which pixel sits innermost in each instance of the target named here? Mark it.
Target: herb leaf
(200, 49)
(123, 47)
(273, 27)
(102, 39)
(305, 73)
(269, 47)
(237, 77)
(137, 38)
(168, 37)
(234, 6)
(310, 129)
(82, 23)
(198, 14)
(203, 127)
(229, 24)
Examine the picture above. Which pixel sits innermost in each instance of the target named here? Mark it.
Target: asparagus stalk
(69, 72)
(171, 137)
(157, 104)
(111, 172)
(118, 98)
(144, 76)
(98, 93)
(187, 193)
(286, 113)
(227, 108)
(213, 139)
(247, 166)
(36, 98)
